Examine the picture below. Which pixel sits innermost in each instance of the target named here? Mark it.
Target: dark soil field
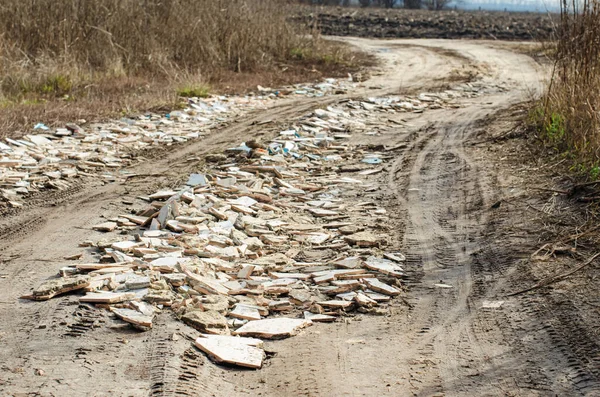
(337, 21)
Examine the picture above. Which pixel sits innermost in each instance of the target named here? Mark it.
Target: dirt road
(439, 190)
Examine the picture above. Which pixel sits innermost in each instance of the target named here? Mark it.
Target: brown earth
(462, 207)
(446, 24)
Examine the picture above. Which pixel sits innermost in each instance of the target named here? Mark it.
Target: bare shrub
(77, 40)
(63, 60)
(569, 113)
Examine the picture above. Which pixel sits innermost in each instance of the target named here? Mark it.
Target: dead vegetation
(567, 121)
(567, 116)
(69, 59)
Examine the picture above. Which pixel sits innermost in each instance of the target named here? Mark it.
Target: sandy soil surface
(441, 191)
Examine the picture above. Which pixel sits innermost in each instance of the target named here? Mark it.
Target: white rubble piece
(133, 316)
(273, 328)
(383, 266)
(380, 287)
(492, 304)
(319, 318)
(243, 352)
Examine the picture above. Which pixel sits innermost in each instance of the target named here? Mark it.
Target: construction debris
(54, 287)
(244, 352)
(223, 251)
(266, 240)
(54, 158)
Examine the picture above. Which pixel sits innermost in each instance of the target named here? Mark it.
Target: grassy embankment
(63, 60)
(568, 115)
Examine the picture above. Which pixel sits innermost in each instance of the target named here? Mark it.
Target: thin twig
(551, 190)
(554, 279)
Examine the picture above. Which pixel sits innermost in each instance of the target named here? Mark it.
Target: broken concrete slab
(105, 227)
(381, 287)
(365, 239)
(232, 350)
(107, 297)
(210, 321)
(273, 328)
(244, 312)
(133, 317)
(54, 287)
(383, 266)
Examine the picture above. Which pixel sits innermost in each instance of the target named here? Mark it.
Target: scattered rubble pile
(224, 252)
(261, 244)
(327, 87)
(52, 158)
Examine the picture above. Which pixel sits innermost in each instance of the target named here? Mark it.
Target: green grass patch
(199, 91)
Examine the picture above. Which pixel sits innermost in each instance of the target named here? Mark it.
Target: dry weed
(568, 115)
(70, 57)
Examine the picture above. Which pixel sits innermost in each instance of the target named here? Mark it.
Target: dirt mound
(429, 24)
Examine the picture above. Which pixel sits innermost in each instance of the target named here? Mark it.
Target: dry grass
(568, 114)
(68, 59)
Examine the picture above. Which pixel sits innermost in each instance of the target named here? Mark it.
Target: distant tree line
(411, 4)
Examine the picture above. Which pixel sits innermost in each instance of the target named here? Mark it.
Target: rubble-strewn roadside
(224, 251)
(49, 158)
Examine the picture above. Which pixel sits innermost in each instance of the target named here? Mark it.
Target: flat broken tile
(197, 180)
(300, 296)
(133, 317)
(381, 287)
(232, 350)
(364, 300)
(246, 271)
(106, 297)
(299, 276)
(383, 266)
(319, 212)
(395, 256)
(54, 287)
(336, 304)
(365, 239)
(352, 262)
(377, 297)
(209, 321)
(138, 220)
(273, 328)
(245, 312)
(281, 305)
(105, 227)
(318, 318)
(162, 195)
(206, 285)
